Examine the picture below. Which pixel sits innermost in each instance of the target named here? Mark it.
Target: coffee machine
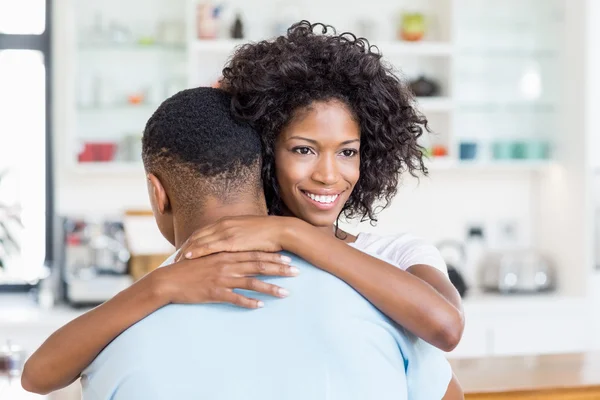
(95, 260)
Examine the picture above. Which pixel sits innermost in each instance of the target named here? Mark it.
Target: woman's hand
(236, 234)
(213, 278)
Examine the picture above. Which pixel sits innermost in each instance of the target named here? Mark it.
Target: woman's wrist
(157, 286)
(291, 233)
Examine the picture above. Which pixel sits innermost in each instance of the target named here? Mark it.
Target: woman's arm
(421, 300)
(68, 351)
(454, 391)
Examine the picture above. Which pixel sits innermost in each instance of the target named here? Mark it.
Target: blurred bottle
(475, 248)
(237, 30)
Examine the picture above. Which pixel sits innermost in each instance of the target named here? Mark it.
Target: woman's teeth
(322, 199)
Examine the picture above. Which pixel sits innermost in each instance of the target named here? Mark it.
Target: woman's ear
(158, 195)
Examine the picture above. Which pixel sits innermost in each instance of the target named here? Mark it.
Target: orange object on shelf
(135, 98)
(439, 151)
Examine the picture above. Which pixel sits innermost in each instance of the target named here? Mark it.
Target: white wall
(444, 204)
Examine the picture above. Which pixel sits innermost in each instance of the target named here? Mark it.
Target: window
(26, 206)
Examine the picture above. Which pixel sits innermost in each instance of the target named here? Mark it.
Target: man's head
(196, 154)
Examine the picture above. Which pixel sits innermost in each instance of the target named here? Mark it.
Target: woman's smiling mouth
(322, 201)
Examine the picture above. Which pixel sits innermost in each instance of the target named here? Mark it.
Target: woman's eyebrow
(303, 138)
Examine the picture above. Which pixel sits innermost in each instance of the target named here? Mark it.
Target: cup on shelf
(502, 150)
(520, 150)
(97, 152)
(467, 151)
(537, 150)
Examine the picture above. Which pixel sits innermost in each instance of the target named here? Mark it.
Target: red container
(98, 152)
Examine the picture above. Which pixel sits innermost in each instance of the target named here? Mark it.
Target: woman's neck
(332, 230)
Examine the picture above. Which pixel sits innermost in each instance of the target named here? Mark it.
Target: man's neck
(211, 212)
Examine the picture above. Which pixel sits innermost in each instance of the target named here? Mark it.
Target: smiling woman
(318, 162)
(24, 145)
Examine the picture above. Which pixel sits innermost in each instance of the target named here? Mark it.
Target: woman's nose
(326, 171)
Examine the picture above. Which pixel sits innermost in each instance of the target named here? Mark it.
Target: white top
(403, 250)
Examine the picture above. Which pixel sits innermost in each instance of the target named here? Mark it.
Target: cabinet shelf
(435, 104)
(131, 47)
(387, 48)
(451, 164)
(118, 108)
(109, 167)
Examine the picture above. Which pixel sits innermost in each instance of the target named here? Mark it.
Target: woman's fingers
(228, 296)
(256, 285)
(266, 268)
(261, 256)
(260, 263)
(204, 246)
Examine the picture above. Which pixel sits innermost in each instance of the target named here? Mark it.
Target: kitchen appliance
(12, 359)
(523, 271)
(95, 261)
(453, 253)
(424, 87)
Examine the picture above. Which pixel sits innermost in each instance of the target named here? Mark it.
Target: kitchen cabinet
(527, 325)
(550, 377)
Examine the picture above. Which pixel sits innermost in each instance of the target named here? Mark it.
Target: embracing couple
(266, 298)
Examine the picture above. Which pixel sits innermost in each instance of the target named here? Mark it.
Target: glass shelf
(176, 47)
(509, 106)
(118, 107)
(507, 52)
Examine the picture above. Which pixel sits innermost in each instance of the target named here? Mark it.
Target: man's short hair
(196, 148)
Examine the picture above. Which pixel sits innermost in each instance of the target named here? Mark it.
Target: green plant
(10, 215)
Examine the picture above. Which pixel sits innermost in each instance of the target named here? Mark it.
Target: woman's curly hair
(271, 80)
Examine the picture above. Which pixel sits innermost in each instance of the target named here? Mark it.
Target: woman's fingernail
(188, 255)
(286, 259)
(294, 271)
(260, 304)
(283, 292)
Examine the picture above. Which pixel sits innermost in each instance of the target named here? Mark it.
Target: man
(325, 341)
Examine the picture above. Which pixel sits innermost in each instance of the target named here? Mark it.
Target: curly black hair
(271, 80)
(194, 144)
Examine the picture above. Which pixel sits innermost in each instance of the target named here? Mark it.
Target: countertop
(22, 310)
(561, 376)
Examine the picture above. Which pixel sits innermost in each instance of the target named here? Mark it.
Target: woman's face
(317, 162)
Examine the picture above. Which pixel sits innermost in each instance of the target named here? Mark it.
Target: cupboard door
(548, 334)
(476, 341)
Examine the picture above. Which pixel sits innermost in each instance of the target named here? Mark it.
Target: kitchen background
(510, 88)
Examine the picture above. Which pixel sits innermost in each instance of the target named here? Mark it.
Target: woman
(338, 129)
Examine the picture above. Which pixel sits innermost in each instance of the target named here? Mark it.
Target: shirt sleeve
(408, 250)
(428, 372)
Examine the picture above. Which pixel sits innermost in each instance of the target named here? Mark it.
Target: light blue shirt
(323, 342)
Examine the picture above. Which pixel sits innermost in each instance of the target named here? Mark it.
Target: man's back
(324, 341)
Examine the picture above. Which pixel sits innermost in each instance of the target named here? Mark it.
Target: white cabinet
(476, 340)
(529, 325)
(545, 335)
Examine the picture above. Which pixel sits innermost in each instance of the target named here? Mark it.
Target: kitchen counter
(25, 323)
(11, 390)
(564, 377)
(22, 310)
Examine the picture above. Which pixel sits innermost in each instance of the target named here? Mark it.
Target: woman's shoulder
(370, 239)
(404, 249)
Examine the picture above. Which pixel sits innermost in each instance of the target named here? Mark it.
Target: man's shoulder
(169, 260)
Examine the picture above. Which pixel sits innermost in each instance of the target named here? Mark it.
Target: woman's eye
(302, 150)
(349, 153)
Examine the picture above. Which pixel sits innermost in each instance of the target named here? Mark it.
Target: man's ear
(159, 195)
